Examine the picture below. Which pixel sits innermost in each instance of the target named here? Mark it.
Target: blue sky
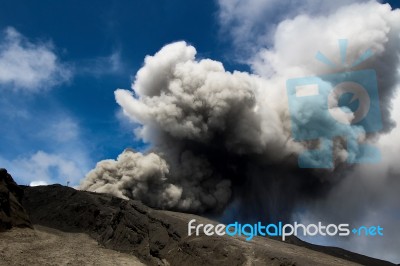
(100, 45)
(59, 115)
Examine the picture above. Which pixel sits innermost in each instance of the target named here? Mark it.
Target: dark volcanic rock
(127, 226)
(11, 211)
(160, 237)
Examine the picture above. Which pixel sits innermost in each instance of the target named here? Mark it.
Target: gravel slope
(46, 246)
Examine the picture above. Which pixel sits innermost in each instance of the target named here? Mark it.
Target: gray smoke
(222, 139)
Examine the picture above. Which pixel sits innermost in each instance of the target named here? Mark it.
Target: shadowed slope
(160, 237)
(11, 211)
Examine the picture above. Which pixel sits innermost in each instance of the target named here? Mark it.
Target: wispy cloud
(61, 129)
(101, 65)
(29, 66)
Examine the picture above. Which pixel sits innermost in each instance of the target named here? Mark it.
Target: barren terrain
(46, 246)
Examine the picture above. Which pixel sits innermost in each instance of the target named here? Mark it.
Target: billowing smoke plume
(222, 139)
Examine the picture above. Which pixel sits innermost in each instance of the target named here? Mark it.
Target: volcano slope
(160, 237)
(47, 246)
(12, 214)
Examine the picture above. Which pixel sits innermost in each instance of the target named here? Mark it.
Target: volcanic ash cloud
(219, 138)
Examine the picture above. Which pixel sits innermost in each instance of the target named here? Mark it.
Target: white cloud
(38, 183)
(47, 147)
(46, 167)
(251, 24)
(29, 66)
